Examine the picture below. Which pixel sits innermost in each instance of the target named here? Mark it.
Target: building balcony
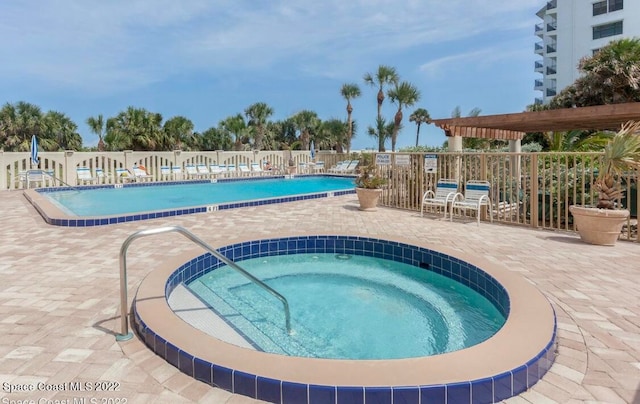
(538, 101)
(550, 92)
(551, 48)
(551, 70)
(539, 48)
(539, 30)
(551, 5)
(538, 85)
(539, 67)
(552, 26)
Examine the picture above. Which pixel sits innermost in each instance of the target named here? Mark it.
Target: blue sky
(209, 59)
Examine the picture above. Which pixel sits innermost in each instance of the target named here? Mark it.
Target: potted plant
(368, 183)
(602, 224)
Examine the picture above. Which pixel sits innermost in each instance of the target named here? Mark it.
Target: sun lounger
(140, 172)
(215, 170)
(84, 175)
(124, 175)
(244, 169)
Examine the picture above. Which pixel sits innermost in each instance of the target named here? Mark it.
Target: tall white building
(572, 29)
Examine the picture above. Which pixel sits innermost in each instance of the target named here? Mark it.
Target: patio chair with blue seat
(446, 189)
(84, 175)
(231, 170)
(476, 196)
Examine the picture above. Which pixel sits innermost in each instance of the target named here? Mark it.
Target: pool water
(106, 201)
(349, 307)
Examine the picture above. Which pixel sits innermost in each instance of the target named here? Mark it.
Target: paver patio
(59, 296)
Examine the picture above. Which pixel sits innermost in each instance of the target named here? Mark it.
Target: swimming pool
(508, 363)
(380, 300)
(110, 204)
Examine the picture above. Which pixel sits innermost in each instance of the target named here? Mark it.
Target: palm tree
(178, 130)
(419, 116)
(235, 126)
(97, 126)
(404, 94)
(135, 129)
(620, 154)
(333, 134)
(382, 131)
(348, 92)
(258, 114)
(59, 132)
(307, 123)
(384, 75)
(18, 122)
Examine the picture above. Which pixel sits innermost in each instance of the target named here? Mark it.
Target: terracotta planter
(598, 226)
(368, 198)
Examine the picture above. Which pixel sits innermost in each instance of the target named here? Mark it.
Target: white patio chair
(476, 196)
(165, 172)
(340, 165)
(446, 189)
(123, 175)
(176, 171)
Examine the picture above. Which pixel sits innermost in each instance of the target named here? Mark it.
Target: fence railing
(527, 189)
(63, 165)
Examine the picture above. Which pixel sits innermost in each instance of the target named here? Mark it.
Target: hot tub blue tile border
(103, 221)
(490, 389)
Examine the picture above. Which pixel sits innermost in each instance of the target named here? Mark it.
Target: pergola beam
(598, 117)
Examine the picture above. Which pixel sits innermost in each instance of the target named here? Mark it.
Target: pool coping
(528, 338)
(53, 215)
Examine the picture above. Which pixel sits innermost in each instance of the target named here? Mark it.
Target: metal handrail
(125, 334)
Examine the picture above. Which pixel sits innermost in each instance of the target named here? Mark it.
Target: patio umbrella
(313, 151)
(34, 150)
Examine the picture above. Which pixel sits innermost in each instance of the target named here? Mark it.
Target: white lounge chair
(203, 171)
(318, 167)
(476, 196)
(231, 170)
(100, 175)
(351, 167)
(256, 169)
(215, 170)
(340, 165)
(165, 172)
(124, 175)
(84, 175)
(446, 189)
(244, 169)
(192, 171)
(176, 171)
(140, 172)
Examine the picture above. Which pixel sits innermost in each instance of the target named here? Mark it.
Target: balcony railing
(551, 70)
(552, 4)
(538, 83)
(551, 92)
(552, 26)
(539, 65)
(539, 28)
(551, 48)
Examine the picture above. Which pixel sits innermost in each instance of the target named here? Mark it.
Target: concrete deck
(59, 297)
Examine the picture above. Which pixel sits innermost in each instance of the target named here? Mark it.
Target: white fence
(63, 165)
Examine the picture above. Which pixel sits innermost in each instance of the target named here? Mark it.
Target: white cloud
(108, 46)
